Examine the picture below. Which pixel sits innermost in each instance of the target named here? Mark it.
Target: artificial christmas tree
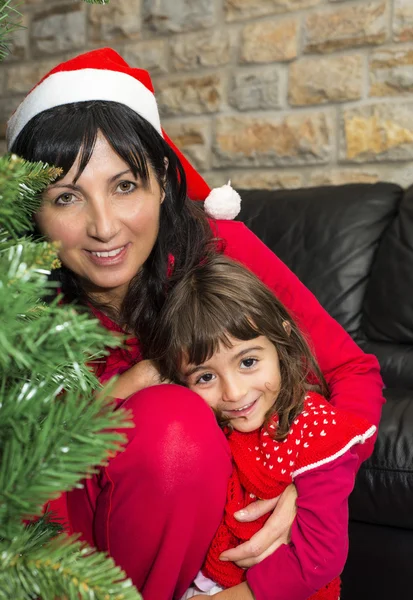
(54, 430)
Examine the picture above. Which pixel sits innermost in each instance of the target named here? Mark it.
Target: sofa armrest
(384, 486)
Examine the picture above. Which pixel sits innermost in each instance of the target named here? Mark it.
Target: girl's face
(107, 222)
(241, 383)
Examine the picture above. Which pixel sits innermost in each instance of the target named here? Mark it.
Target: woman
(127, 232)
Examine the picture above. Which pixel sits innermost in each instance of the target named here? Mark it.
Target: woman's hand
(140, 376)
(273, 534)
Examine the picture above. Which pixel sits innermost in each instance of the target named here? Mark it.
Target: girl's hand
(273, 534)
(140, 376)
(238, 592)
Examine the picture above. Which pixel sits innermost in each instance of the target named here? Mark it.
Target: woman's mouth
(243, 411)
(108, 257)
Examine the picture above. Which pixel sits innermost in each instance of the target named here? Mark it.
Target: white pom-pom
(223, 202)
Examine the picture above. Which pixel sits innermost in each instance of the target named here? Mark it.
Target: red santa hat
(104, 75)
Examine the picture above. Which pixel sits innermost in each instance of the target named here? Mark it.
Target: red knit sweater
(263, 468)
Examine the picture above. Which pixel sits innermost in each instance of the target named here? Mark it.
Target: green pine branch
(20, 185)
(49, 444)
(10, 21)
(61, 568)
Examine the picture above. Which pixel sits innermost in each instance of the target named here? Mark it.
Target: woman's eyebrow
(72, 186)
(112, 179)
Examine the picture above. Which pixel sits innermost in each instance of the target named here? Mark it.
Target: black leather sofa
(352, 246)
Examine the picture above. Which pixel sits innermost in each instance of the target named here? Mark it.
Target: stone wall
(272, 93)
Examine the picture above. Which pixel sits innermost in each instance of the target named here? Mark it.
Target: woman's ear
(287, 327)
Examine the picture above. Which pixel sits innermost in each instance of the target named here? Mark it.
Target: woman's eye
(65, 199)
(247, 363)
(125, 187)
(205, 378)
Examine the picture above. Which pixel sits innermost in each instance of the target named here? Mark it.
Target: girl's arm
(353, 376)
(319, 536)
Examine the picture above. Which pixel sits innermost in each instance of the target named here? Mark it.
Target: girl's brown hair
(218, 299)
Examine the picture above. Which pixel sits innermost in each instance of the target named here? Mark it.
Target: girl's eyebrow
(71, 186)
(193, 370)
(237, 356)
(246, 351)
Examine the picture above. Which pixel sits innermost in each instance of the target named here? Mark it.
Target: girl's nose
(234, 390)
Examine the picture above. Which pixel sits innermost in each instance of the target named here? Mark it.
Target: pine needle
(10, 21)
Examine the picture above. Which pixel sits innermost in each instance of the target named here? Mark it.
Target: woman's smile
(106, 220)
(108, 258)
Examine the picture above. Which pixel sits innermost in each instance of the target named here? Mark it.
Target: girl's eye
(126, 187)
(205, 378)
(248, 363)
(65, 199)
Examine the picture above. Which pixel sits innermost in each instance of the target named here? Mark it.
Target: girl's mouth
(243, 411)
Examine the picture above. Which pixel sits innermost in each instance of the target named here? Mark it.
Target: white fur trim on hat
(223, 202)
(83, 85)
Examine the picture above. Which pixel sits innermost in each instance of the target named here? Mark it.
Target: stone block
(289, 140)
(391, 72)
(3, 147)
(165, 16)
(346, 27)
(7, 107)
(342, 177)
(403, 20)
(266, 180)
(202, 49)
(377, 132)
(256, 89)
(3, 73)
(62, 28)
(242, 10)
(22, 77)
(115, 21)
(193, 139)
(190, 95)
(270, 41)
(151, 55)
(325, 79)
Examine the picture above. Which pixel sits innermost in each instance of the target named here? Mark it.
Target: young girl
(224, 335)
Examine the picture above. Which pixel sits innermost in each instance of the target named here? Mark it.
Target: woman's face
(107, 222)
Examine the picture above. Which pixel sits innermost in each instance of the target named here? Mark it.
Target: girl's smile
(240, 383)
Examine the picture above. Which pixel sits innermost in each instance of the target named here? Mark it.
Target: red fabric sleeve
(353, 376)
(319, 536)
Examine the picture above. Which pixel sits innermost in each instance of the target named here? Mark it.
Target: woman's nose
(102, 222)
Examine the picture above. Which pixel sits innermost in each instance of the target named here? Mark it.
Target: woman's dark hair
(220, 298)
(58, 135)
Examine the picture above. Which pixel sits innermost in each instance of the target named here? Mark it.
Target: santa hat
(104, 75)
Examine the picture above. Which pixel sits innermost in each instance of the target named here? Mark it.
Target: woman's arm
(353, 376)
(276, 531)
(319, 536)
(138, 377)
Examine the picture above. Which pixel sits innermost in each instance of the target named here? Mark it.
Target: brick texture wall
(271, 93)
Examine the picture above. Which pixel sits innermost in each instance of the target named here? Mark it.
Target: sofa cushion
(388, 306)
(328, 236)
(384, 487)
(396, 362)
